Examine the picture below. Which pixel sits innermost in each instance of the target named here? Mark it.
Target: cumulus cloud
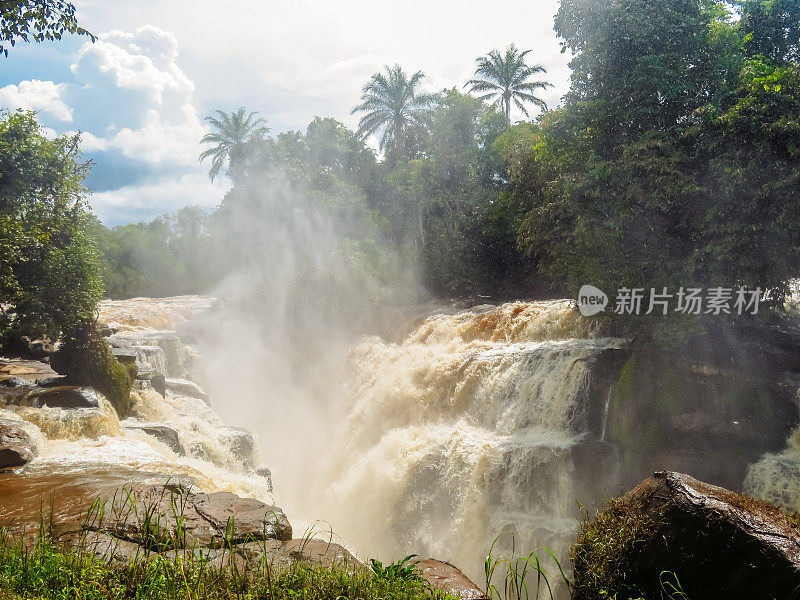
(44, 96)
(141, 99)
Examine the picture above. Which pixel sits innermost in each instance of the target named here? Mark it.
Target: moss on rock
(85, 358)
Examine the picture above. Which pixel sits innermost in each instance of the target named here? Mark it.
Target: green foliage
(673, 162)
(517, 572)
(601, 557)
(86, 359)
(171, 255)
(50, 274)
(404, 569)
(36, 20)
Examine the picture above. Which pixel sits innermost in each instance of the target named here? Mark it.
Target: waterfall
(468, 428)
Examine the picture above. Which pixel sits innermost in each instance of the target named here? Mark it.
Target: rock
(266, 473)
(206, 520)
(106, 330)
(185, 388)
(17, 448)
(164, 433)
(253, 520)
(66, 396)
(241, 443)
(719, 544)
(51, 381)
(446, 577)
(159, 384)
(283, 554)
(126, 356)
(14, 382)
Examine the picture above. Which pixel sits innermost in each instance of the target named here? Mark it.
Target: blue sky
(139, 93)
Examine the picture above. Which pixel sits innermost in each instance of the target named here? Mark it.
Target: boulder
(185, 388)
(186, 519)
(55, 381)
(164, 433)
(126, 356)
(448, 578)
(66, 396)
(17, 448)
(715, 542)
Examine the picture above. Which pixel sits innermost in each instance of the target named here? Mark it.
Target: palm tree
(506, 78)
(234, 133)
(392, 104)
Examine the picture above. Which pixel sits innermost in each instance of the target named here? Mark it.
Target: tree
(36, 20)
(235, 134)
(50, 276)
(772, 28)
(505, 78)
(393, 104)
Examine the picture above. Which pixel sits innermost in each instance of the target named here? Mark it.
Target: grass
(518, 572)
(47, 570)
(164, 568)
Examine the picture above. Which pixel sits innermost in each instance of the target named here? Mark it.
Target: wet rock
(266, 473)
(159, 384)
(106, 330)
(17, 448)
(241, 443)
(448, 578)
(186, 388)
(718, 543)
(126, 356)
(55, 381)
(164, 433)
(66, 396)
(14, 382)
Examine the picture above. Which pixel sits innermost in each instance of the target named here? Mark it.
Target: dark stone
(448, 578)
(164, 433)
(58, 380)
(718, 543)
(15, 382)
(64, 397)
(16, 446)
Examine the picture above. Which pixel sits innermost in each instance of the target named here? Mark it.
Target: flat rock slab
(448, 578)
(174, 517)
(164, 433)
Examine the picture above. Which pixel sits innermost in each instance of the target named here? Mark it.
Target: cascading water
(84, 451)
(464, 430)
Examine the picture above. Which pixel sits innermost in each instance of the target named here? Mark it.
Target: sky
(139, 94)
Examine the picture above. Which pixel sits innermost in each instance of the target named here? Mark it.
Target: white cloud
(44, 96)
(146, 201)
(137, 72)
